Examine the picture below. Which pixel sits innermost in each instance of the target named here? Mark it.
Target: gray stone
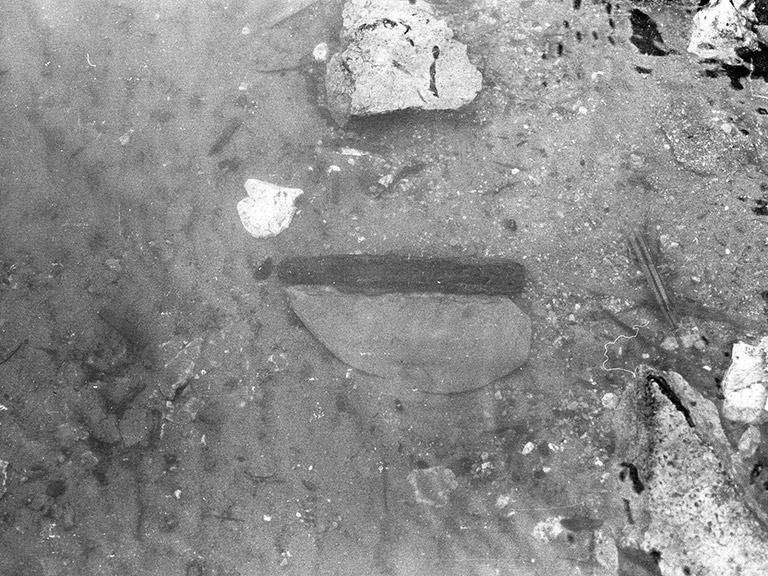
(398, 55)
(434, 342)
(134, 426)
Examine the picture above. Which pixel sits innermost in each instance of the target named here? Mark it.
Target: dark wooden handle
(366, 273)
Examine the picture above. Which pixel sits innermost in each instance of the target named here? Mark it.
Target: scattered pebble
(278, 361)
(610, 401)
(687, 340)
(113, 264)
(528, 448)
(548, 529)
(126, 137)
(670, 343)
(320, 53)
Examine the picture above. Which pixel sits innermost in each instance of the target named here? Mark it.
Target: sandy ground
(123, 265)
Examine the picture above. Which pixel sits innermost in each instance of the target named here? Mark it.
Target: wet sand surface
(163, 410)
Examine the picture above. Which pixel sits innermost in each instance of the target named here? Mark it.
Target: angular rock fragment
(681, 485)
(399, 55)
(745, 384)
(268, 209)
(723, 29)
(435, 342)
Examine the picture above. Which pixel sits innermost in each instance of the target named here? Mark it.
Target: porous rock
(398, 55)
(681, 485)
(722, 29)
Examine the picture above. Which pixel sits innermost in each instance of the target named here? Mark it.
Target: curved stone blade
(440, 343)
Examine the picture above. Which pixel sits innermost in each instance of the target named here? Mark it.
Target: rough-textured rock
(679, 483)
(268, 209)
(436, 343)
(722, 28)
(399, 55)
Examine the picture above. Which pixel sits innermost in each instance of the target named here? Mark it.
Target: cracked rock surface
(682, 499)
(398, 56)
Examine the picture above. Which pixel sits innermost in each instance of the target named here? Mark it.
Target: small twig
(257, 479)
(546, 508)
(644, 259)
(226, 518)
(13, 352)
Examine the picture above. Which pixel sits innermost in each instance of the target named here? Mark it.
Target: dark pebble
(263, 270)
(56, 488)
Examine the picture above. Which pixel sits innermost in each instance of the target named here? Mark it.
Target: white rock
(398, 56)
(268, 209)
(745, 384)
(721, 28)
(548, 529)
(528, 448)
(610, 401)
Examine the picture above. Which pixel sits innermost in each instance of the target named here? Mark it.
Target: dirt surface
(163, 412)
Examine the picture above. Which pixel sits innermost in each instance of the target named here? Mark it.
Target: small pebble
(528, 448)
(670, 343)
(113, 264)
(749, 441)
(320, 53)
(610, 401)
(687, 340)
